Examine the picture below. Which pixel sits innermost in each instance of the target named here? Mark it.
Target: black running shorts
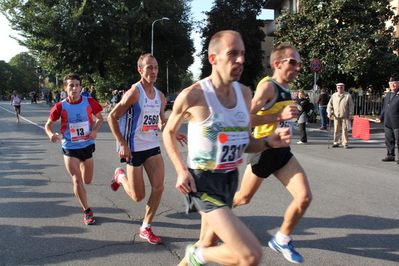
(82, 154)
(214, 190)
(139, 157)
(269, 161)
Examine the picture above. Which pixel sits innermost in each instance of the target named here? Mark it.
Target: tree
(351, 38)
(187, 80)
(238, 15)
(102, 39)
(8, 76)
(25, 78)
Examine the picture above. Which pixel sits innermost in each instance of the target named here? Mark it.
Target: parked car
(170, 99)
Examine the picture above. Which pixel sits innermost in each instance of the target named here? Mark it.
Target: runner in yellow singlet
(271, 108)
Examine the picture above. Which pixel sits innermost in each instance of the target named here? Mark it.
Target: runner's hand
(181, 138)
(55, 137)
(186, 183)
(124, 152)
(280, 138)
(289, 112)
(92, 134)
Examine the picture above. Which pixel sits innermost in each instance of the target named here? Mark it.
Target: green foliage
(103, 39)
(187, 80)
(19, 74)
(351, 38)
(238, 15)
(8, 75)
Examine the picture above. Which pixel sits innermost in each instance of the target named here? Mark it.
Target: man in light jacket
(340, 107)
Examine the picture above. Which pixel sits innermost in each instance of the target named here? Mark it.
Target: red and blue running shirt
(76, 121)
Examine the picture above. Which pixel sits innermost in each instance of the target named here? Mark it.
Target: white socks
(198, 255)
(144, 225)
(282, 239)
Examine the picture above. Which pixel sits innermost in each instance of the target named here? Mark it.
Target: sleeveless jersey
(76, 123)
(139, 125)
(281, 99)
(16, 100)
(217, 143)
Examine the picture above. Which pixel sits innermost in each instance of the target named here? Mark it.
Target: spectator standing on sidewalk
(340, 107)
(49, 98)
(93, 93)
(303, 108)
(63, 94)
(57, 97)
(85, 92)
(322, 101)
(390, 117)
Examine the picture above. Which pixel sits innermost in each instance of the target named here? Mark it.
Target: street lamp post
(152, 33)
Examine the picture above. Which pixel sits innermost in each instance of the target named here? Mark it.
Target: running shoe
(115, 184)
(147, 233)
(288, 251)
(88, 217)
(190, 256)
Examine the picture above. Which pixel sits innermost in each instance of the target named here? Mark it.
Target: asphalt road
(353, 219)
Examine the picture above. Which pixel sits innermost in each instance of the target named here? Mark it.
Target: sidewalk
(374, 127)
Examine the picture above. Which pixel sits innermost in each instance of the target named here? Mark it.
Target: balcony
(272, 4)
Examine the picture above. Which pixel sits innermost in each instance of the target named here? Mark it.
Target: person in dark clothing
(50, 98)
(85, 92)
(57, 97)
(93, 93)
(303, 107)
(322, 101)
(118, 96)
(390, 117)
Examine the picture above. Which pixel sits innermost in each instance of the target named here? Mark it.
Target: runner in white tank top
(140, 112)
(216, 143)
(139, 125)
(16, 102)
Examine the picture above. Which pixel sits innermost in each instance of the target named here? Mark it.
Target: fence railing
(366, 104)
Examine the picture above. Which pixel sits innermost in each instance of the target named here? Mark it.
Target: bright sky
(10, 47)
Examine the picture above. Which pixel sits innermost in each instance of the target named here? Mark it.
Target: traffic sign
(316, 65)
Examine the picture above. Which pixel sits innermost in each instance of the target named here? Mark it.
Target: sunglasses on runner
(292, 61)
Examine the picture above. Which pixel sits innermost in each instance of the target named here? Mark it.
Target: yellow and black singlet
(281, 99)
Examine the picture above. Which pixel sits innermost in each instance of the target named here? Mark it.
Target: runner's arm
(48, 128)
(129, 99)
(99, 122)
(180, 137)
(185, 182)
(265, 93)
(280, 138)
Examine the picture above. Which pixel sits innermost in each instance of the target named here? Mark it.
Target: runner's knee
(158, 190)
(305, 201)
(252, 259)
(136, 195)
